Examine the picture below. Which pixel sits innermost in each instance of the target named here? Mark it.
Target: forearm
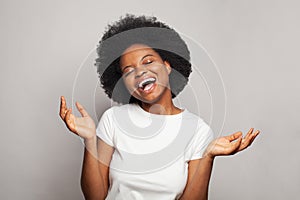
(197, 186)
(92, 181)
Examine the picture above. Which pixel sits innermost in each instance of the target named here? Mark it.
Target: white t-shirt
(152, 151)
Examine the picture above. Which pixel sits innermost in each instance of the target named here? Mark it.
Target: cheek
(160, 69)
(129, 84)
(163, 75)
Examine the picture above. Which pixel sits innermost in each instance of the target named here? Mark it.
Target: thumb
(237, 144)
(81, 110)
(234, 136)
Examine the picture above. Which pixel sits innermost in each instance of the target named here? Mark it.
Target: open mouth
(146, 84)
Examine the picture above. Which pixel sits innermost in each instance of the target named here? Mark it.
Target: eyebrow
(146, 56)
(140, 60)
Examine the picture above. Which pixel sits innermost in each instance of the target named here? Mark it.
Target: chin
(155, 94)
(147, 100)
(152, 98)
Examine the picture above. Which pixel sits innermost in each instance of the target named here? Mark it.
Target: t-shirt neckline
(142, 111)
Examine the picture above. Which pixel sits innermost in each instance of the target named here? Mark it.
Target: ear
(168, 66)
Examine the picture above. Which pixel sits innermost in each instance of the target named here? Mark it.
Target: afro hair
(145, 30)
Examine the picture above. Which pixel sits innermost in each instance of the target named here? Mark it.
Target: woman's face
(145, 74)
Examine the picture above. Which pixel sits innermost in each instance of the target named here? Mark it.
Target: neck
(164, 106)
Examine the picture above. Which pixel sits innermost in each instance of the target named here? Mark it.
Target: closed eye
(148, 62)
(127, 71)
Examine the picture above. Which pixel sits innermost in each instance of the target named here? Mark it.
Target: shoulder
(202, 127)
(193, 117)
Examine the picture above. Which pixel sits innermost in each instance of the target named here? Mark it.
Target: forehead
(137, 50)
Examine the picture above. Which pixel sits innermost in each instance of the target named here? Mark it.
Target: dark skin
(145, 62)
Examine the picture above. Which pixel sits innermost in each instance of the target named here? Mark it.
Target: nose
(140, 71)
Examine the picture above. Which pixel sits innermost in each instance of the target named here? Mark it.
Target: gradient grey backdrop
(254, 43)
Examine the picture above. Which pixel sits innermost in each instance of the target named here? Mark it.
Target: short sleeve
(104, 129)
(201, 140)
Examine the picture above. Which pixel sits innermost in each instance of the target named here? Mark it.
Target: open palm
(83, 126)
(231, 144)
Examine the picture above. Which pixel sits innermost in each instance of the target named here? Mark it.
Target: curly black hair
(145, 30)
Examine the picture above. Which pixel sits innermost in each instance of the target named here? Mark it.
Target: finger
(63, 102)
(81, 110)
(234, 136)
(248, 137)
(63, 107)
(233, 147)
(254, 136)
(236, 145)
(249, 133)
(248, 141)
(69, 121)
(256, 133)
(68, 116)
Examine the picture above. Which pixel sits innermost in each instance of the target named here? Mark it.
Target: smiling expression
(145, 74)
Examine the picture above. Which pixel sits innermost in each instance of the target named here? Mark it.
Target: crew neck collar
(144, 112)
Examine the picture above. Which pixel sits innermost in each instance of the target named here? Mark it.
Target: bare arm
(198, 179)
(94, 177)
(200, 169)
(97, 154)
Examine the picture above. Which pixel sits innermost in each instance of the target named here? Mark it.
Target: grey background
(45, 45)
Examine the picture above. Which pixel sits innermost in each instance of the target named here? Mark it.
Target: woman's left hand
(231, 144)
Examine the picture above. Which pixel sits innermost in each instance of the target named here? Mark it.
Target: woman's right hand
(83, 126)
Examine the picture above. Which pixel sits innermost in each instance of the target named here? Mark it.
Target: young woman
(146, 148)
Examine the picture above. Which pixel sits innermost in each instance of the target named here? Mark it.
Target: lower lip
(147, 91)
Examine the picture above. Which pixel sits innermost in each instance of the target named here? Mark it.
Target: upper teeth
(145, 80)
